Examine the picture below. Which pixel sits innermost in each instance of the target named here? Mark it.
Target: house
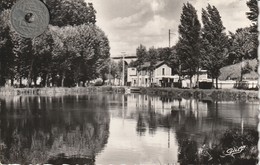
(161, 75)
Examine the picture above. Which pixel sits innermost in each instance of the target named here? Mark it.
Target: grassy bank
(215, 94)
(220, 94)
(54, 90)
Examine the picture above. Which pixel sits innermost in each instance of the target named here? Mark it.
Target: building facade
(161, 75)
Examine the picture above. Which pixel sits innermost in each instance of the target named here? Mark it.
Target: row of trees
(205, 46)
(72, 50)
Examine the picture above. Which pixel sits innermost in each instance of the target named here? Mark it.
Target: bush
(242, 85)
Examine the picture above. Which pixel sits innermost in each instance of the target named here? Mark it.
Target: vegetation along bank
(209, 94)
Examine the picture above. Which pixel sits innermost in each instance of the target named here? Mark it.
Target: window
(163, 71)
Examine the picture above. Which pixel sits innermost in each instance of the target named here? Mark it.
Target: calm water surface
(126, 129)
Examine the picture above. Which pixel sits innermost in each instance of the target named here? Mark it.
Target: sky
(129, 23)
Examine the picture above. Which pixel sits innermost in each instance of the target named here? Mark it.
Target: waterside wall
(205, 94)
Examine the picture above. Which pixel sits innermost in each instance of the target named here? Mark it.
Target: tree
(42, 58)
(152, 59)
(141, 54)
(114, 70)
(74, 50)
(242, 46)
(188, 48)
(83, 52)
(62, 58)
(164, 54)
(6, 46)
(6, 4)
(246, 68)
(215, 42)
(70, 12)
(253, 16)
(103, 51)
(23, 57)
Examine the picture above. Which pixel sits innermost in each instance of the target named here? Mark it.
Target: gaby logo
(233, 151)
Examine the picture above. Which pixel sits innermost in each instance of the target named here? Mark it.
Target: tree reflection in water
(204, 141)
(38, 129)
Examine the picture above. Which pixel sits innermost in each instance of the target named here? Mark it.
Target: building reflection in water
(201, 127)
(111, 128)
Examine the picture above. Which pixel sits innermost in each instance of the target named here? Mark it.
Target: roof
(147, 64)
(234, 71)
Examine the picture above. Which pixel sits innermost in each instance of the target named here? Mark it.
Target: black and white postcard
(129, 82)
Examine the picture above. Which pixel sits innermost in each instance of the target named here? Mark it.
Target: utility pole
(110, 71)
(170, 41)
(123, 78)
(170, 37)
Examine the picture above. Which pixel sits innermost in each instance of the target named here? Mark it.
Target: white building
(161, 75)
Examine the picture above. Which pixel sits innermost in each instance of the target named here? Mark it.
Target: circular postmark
(29, 18)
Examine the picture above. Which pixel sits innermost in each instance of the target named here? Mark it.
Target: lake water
(126, 129)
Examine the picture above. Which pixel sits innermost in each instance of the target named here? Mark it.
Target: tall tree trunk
(29, 83)
(216, 83)
(84, 83)
(12, 81)
(198, 75)
(35, 80)
(190, 82)
(46, 80)
(62, 78)
(20, 82)
(179, 81)
(212, 80)
(54, 80)
(43, 80)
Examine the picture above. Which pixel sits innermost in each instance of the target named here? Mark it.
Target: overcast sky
(129, 23)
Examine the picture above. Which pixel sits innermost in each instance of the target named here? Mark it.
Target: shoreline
(205, 94)
(202, 94)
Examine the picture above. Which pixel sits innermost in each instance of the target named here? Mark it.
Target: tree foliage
(6, 4)
(253, 16)
(242, 46)
(7, 56)
(254, 11)
(70, 12)
(215, 41)
(188, 47)
(74, 50)
(82, 50)
(141, 54)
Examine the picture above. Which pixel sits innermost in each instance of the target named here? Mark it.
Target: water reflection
(126, 129)
(36, 129)
(204, 130)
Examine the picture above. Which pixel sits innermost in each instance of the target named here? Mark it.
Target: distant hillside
(234, 71)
